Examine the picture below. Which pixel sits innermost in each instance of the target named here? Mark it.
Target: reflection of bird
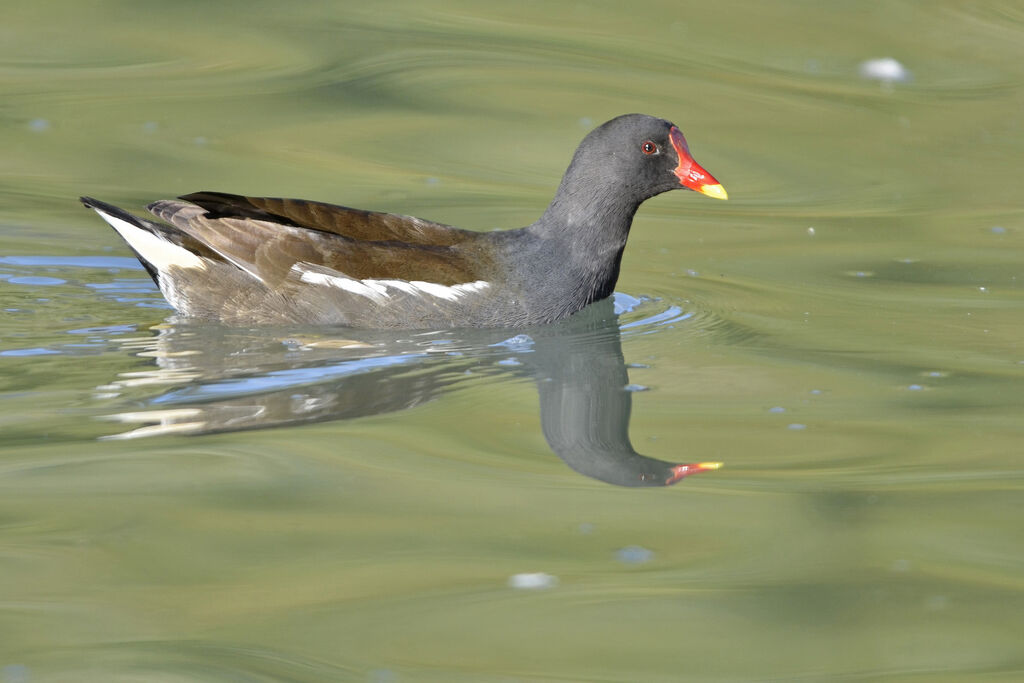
(577, 365)
(248, 260)
(585, 405)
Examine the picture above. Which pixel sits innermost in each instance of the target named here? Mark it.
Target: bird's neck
(584, 234)
(593, 222)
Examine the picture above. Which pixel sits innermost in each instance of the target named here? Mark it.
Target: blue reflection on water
(120, 262)
(29, 352)
(281, 379)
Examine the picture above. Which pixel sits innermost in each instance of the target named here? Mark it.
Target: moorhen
(258, 260)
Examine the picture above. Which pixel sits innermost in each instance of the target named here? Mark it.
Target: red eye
(648, 147)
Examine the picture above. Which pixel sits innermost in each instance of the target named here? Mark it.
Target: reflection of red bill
(680, 471)
(690, 173)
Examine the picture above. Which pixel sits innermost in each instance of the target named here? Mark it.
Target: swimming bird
(259, 260)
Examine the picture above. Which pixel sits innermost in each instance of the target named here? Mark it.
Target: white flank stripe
(376, 290)
(451, 293)
(373, 291)
(400, 285)
(158, 251)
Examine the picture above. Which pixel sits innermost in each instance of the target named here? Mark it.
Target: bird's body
(249, 260)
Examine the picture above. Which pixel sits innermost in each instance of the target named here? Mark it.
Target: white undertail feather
(154, 249)
(377, 290)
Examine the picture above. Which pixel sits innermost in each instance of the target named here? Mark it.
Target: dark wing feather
(268, 248)
(356, 224)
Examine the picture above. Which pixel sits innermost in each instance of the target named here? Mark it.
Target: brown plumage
(267, 236)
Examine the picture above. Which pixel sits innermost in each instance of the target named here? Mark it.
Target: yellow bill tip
(680, 471)
(716, 191)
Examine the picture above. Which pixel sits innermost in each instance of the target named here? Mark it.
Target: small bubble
(796, 426)
(634, 554)
(885, 69)
(810, 231)
(998, 229)
(915, 387)
(586, 122)
(776, 409)
(432, 180)
(38, 125)
(199, 140)
(636, 387)
(532, 581)
(15, 673)
(382, 676)
(150, 127)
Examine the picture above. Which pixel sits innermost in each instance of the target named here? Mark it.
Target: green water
(845, 334)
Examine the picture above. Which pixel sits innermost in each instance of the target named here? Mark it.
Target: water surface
(187, 502)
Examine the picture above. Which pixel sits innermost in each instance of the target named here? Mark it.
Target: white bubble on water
(884, 69)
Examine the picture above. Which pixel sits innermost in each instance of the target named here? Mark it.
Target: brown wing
(268, 245)
(356, 224)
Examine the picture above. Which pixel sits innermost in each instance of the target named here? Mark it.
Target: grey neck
(586, 226)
